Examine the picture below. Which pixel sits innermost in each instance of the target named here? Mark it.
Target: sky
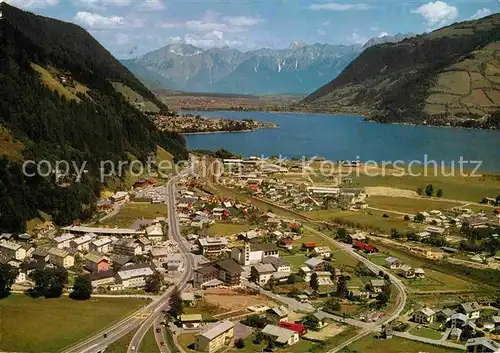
(129, 28)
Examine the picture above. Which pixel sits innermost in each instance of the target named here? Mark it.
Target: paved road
(174, 234)
(149, 313)
(401, 301)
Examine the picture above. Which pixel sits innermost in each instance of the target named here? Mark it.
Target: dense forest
(101, 126)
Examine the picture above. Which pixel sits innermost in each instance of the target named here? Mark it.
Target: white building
(61, 257)
(102, 245)
(62, 241)
(254, 253)
(133, 276)
(81, 243)
(14, 250)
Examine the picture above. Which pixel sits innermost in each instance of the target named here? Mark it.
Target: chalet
(190, 321)
(95, 262)
(282, 336)
(154, 233)
(61, 257)
(316, 264)
(215, 337)
(13, 250)
(277, 314)
(120, 196)
(62, 241)
(134, 276)
(102, 245)
(471, 309)
(175, 263)
(444, 315)
(263, 273)
(323, 319)
(308, 246)
(286, 244)
(482, 345)
(40, 254)
(419, 272)
(306, 273)
(424, 316)
(393, 263)
(455, 334)
(81, 243)
(458, 320)
(408, 273)
(323, 251)
(279, 264)
(300, 329)
(377, 285)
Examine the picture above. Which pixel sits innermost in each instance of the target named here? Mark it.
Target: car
(162, 343)
(132, 348)
(158, 330)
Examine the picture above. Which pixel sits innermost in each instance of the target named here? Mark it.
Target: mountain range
(450, 76)
(298, 69)
(64, 97)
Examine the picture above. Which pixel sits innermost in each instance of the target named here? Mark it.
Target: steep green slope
(99, 125)
(449, 76)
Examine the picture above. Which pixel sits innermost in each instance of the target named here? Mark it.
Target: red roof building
(300, 329)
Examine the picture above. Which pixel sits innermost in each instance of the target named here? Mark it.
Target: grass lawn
(225, 229)
(454, 187)
(370, 344)
(148, 344)
(408, 205)
(121, 345)
(426, 332)
(366, 219)
(132, 211)
(48, 325)
(185, 340)
(296, 261)
(434, 280)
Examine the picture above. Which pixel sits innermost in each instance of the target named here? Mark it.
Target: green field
(121, 345)
(148, 344)
(366, 219)
(225, 229)
(133, 211)
(48, 325)
(426, 332)
(433, 280)
(455, 187)
(408, 205)
(370, 344)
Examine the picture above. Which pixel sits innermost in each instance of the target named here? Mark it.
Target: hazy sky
(132, 27)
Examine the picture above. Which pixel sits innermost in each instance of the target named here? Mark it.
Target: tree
(332, 305)
(292, 278)
(154, 282)
(395, 234)
(342, 290)
(420, 191)
(82, 289)
(271, 283)
(429, 190)
(310, 322)
(254, 275)
(419, 217)
(8, 275)
(49, 282)
(175, 303)
(314, 282)
(255, 321)
(406, 217)
(439, 193)
(239, 343)
(382, 298)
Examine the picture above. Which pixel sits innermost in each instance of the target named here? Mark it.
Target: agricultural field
(409, 205)
(426, 333)
(454, 187)
(433, 281)
(148, 344)
(365, 219)
(59, 322)
(133, 211)
(226, 229)
(371, 344)
(121, 345)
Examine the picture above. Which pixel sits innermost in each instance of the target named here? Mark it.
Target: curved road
(147, 315)
(174, 234)
(401, 302)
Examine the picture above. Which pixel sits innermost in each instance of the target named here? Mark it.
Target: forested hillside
(98, 125)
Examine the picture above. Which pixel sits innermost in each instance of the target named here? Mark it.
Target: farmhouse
(282, 336)
(215, 338)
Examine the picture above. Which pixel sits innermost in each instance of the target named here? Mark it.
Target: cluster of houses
(404, 270)
(259, 178)
(107, 254)
(462, 318)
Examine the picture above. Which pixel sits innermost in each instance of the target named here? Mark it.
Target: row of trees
(429, 191)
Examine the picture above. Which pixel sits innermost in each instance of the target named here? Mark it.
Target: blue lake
(341, 137)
